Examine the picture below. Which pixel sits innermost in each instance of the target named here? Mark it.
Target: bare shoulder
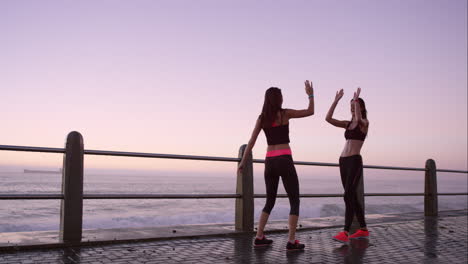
(364, 125)
(286, 114)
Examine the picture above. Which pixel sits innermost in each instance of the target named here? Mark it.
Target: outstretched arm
(250, 145)
(357, 108)
(329, 118)
(291, 113)
(363, 123)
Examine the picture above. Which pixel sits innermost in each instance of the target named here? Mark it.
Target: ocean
(38, 215)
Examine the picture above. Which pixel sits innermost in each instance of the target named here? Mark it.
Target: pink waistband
(278, 152)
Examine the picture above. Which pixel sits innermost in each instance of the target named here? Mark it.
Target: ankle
(260, 237)
(364, 228)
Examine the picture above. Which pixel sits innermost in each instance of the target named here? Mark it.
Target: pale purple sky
(188, 77)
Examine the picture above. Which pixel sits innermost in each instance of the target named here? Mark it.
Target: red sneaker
(360, 234)
(341, 237)
(295, 246)
(262, 242)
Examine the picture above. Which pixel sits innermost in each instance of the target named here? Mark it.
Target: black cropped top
(277, 134)
(354, 133)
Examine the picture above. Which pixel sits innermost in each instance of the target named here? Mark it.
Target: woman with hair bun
(351, 168)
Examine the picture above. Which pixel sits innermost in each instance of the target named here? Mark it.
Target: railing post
(245, 204)
(430, 189)
(71, 211)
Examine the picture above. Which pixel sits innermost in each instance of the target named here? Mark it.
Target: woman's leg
(291, 185)
(354, 172)
(262, 223)
(348, 191)
(271, 185)
(292, 223)
(357, 171)
(350, 209)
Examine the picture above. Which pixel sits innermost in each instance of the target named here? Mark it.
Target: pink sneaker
(360, 234)
(341, 237)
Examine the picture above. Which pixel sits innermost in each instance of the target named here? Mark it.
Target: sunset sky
(189, 77)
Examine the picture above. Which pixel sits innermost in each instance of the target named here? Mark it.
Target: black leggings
(274, 168)
(351, 173)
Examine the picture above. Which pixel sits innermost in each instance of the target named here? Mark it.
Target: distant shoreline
(43, 171)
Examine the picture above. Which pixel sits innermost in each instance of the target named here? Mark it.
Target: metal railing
(72, 185)
(195, 157)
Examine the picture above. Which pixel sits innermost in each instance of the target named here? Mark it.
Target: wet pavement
(38, 239)
(440, 239)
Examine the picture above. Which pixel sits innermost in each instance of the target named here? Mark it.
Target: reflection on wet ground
(427, 240)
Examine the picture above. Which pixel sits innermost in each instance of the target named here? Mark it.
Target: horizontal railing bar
(30, 196)
(32, 149)
(366, 194)
(394, 194)
(452, 194)
(155, 155)
(365, 166)
(205, 158)
(302, 195)
(190, 196)
(306, 163)
(409, 194)
(160, 196)
(451, 171)
(392, 168)
(119, 196)
(341, 195)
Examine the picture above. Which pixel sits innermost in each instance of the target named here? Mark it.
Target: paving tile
(428, 240)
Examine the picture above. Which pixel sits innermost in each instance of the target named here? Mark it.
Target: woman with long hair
(274, 120)
(351, 169)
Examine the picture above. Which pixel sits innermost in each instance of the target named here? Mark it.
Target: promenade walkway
(440, 239)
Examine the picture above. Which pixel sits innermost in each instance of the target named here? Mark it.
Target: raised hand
(356, 94)
(339, 95)
(309, 89)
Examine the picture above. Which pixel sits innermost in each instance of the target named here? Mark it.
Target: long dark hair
(362, 104)
(271, 106)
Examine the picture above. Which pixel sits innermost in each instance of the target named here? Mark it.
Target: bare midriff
(278, 147)
(352, 147)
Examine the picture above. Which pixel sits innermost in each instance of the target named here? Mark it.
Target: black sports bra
(354, 133)
(277, 134)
